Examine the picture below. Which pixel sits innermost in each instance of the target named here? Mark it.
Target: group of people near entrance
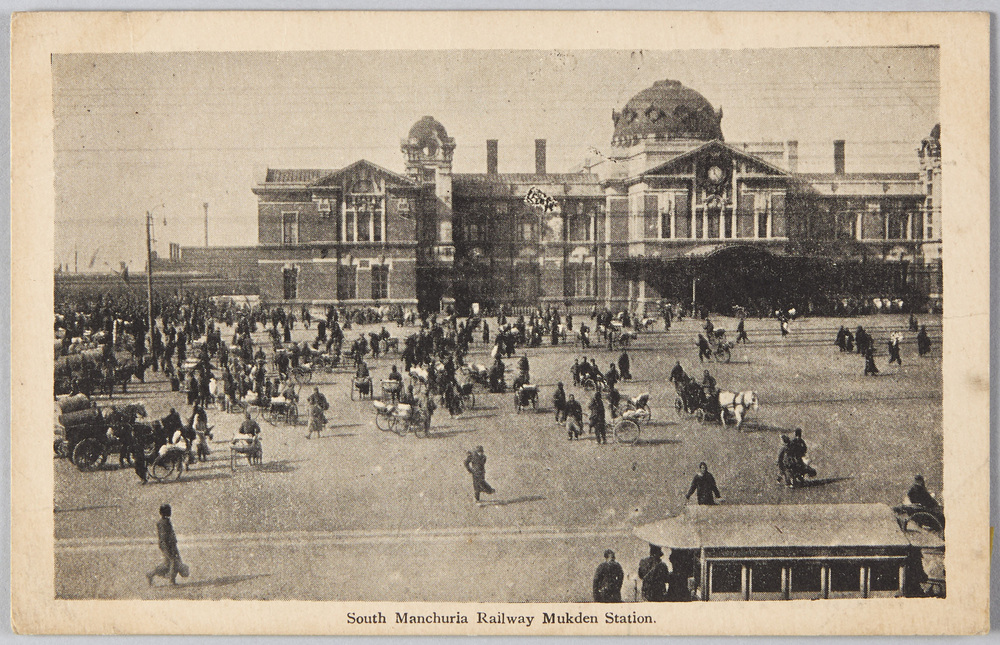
(863, 342)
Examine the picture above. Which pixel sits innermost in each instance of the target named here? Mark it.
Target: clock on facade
(715, 174)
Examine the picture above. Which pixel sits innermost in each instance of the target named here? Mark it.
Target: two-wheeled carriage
(525, 397)
(401, 418)
(721, 348)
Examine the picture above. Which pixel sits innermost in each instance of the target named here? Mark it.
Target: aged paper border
(963, 39)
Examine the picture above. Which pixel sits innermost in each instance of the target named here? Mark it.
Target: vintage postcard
(582, 323)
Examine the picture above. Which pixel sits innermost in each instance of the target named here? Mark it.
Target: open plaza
(364, 514)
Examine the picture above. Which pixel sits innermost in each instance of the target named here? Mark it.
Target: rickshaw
(281, 410)
(526, 395)
(401, 418)
(722, 349)
(627, 428)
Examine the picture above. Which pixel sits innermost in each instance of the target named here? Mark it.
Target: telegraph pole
(149, 277)
(149, 273)
(205, 205)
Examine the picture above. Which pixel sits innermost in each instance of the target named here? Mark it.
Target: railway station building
(673, 213)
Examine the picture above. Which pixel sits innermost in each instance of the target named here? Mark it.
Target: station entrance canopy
(757, 278)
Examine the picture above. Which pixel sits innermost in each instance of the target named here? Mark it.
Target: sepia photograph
(509, 337)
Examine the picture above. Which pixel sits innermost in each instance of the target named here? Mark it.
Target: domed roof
(428, 128)
(667, 110)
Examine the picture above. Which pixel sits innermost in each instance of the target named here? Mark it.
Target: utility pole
(149, 277)
(205, 205)
(149, 273)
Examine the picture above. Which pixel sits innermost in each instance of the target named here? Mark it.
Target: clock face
(715, 174)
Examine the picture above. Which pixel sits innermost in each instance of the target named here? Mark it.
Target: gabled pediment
(711, 152)
(360, 172)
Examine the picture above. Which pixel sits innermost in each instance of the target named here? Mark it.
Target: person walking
(318, 405)
(574, 418)
(704, 484)
(741, 332)
(608, 579)
(172, 564)
(870, 367)
(475, 464)
(894, 349)
(625, 366)
(923, 341)
(598, 424)
(559, 402)
(654, 575)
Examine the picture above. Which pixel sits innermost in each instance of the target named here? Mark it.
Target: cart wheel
(164, 467)
(420, 429)
(648, 411)
(723, 355)
(679, 407)
(271, 416)
(398, 425)
(292, 415)
(89, 454)
(700, 415)
(383, 422)
(627, 431)
(470, 400)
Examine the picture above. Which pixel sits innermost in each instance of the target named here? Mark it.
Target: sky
(172, 131)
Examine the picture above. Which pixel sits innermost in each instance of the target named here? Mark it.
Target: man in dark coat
(704, 484)
(654, 575)
(625, 366)
(574, 418)
(598, 424)
(613, 376)
(923, 341)
(870, 367)
(475, 463)
(608, 579)
(559, 402)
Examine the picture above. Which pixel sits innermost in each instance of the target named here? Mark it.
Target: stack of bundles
(77, 414)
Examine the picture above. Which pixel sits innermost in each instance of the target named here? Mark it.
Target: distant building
(673, 213)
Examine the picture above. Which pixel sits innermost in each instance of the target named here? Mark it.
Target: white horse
(737, 404)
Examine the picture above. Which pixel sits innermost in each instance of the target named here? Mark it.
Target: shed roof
(782, 525)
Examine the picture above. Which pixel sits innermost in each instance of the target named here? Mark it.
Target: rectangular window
(650, 217)
(699, 224)
(846, 225)
(897, 225)
(289, 228)
(765, 577)
(666, 214)
(682, 216)
(380, 281)
(579, 227)
(528, 231)
(885, 576)
(347, 282)
(582, 283)
(744, 216)
(778, 218)
(324, 207)
(727, 223)
(807, 578)
(727, 578)
(363, 218)
(349, 225)
(290, 280)
(845, 576)
(873, 224)
(713, 223)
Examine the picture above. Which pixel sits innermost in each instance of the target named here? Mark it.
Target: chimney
(793, 157)
(491, 156)
(539, 156)
(838, 157)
